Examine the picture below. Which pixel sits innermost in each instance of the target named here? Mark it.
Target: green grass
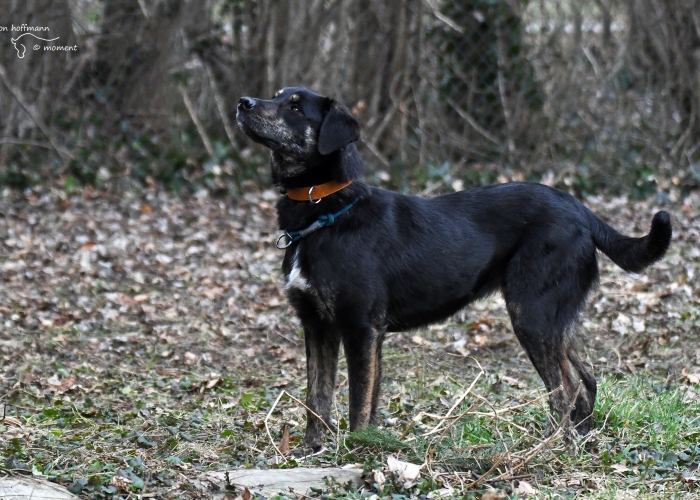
(655, 430)
(646, 436)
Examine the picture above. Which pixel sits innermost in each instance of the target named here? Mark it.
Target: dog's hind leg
(552, 350)
(544, 296)
(363, 354)
(322, 346)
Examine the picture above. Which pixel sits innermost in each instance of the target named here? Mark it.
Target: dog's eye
(296, 108)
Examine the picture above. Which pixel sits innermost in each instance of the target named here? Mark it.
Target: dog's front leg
(363, 354)
(322, 345)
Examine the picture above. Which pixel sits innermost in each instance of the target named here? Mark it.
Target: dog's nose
(246, 103)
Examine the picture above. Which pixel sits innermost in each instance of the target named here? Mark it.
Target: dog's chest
(295, 279)
(300, 282)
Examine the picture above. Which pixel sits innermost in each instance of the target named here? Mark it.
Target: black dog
(362, 261)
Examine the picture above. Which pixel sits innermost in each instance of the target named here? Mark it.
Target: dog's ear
(339, 128)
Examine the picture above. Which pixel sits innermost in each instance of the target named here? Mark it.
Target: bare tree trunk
(140, 48)
(606, 19)
(665, 44)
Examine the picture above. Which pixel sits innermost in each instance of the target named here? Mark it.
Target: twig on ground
(434, 444)
(288, 339)
(506, 410)
(274, 405)
(498, 462)
(25, 142)
(310, 411)
(457, 403)
(557, 434)
(267, 427)
(495, 414)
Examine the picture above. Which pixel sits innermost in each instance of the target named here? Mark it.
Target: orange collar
(315, 193)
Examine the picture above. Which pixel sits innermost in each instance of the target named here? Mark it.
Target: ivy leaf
(142, 441)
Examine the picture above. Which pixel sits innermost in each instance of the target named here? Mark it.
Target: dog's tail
(633, 254)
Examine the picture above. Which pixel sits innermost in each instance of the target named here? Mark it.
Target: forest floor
(145, 339)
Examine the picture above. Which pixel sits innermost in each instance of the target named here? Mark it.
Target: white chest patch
(295, 279)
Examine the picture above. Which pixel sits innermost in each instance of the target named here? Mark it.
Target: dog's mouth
(258, 120)
(265, 140)
(253, 130)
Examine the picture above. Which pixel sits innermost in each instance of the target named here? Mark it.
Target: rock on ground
(26, 488)
(271, 482)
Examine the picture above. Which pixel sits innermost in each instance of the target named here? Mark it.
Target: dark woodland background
(587, 95)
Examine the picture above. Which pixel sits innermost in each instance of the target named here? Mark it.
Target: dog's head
(306, 132)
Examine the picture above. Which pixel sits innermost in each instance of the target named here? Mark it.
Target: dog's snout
(246, 103)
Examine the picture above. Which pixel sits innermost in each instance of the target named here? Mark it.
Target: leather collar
(316, 193)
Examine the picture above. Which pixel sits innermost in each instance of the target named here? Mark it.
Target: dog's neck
(342, 166)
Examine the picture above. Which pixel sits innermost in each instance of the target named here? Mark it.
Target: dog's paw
(307, 451)
(313, 439)
(314, 446)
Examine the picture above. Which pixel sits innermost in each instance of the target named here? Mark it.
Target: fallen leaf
(442, 492)
(525, 489)
(620, 324)
(282, 382)
(621, 467)
(483, 324)
(121, 483)
(284, 444)
(286, 354)
(246, 494)
(250, 352)
(494, 494)
(459, 347)
(12, 421)
(161, 258)
(65, 385)
(87, 246)
(480, 340)
(407, 472)
(693, 378)
(514, 382)
(378, 478)
(418, 340)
